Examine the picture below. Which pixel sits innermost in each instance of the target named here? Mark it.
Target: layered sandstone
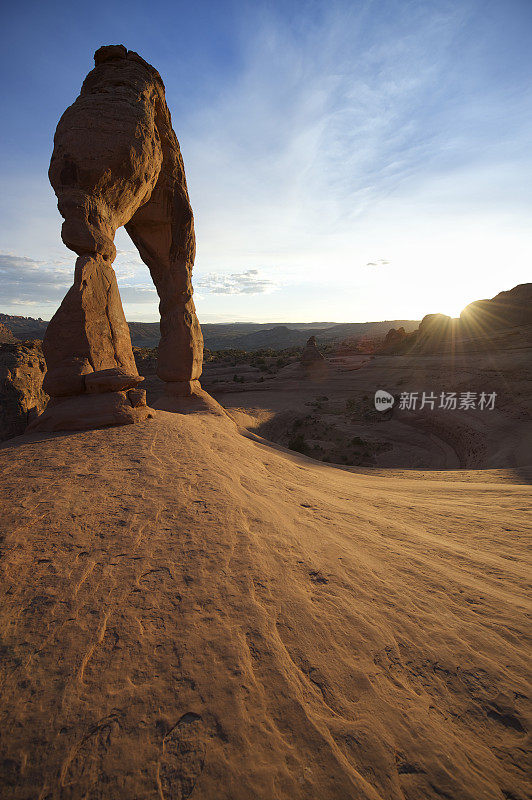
(116, 162)
(22, 397)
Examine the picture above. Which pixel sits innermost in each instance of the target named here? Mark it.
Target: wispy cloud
(22, 280)
(247, 282)
(323, 121)
(332, 132)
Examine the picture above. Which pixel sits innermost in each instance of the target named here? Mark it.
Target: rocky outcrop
(394, 340)
(482, 325)
(116, 162)
(5, 335)
(311, 354)
(22, 368)
(394, 336)
(505, 310)
(435, 326)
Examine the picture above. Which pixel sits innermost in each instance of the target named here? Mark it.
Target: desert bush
(299, 444)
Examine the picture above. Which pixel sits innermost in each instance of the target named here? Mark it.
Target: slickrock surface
(188, 613)
(116, 161)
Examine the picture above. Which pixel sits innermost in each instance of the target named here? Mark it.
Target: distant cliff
(479, 321)
(499, 322)
(227, 336)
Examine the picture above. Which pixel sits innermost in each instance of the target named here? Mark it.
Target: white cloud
(22, 280)
(247, 282)
(348, 131)
(332, 132)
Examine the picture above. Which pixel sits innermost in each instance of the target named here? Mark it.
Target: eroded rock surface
(5, 335)
(22, 397)
(116, 162)
(186, 614)
(311, 354)
(393, 339)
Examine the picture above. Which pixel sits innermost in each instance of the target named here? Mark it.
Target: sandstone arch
(116, 162)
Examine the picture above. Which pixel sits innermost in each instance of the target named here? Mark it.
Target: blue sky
(346, 161)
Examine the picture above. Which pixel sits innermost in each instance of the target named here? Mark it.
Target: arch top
(109, 52)
(118, 52)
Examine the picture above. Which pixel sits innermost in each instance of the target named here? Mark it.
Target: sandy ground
(189, 613)
(333, 411)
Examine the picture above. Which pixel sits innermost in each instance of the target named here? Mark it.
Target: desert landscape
(252, 561)
(235, 618)
(231, 621)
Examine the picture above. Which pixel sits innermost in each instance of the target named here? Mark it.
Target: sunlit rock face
(435, 331)
(116, 162)
(505, 310)
(482, 325)
(22, 397)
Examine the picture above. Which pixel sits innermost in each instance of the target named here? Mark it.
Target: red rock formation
(6, 337)
(436, 333)
(394, 336)
(21, 394)
(479, 327)
(116, 161)
(311, 354)
(505, 310)
(394, 342)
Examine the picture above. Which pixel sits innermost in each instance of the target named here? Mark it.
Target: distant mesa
(237, 335)
(479, 326)
(24, 328)
(116, 162)
(22, 366)
(505, 310)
